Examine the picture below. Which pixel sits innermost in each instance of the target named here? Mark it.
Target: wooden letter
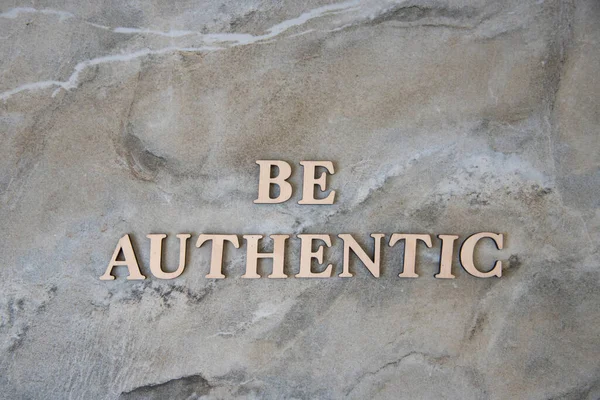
(308, 187)
(446, 257)
(351, 244)
(468, 248)
(252, 256)
(130, 261)
(306, 256)
(410, 251)
(156, 255)
(265, 181)
(216, 257)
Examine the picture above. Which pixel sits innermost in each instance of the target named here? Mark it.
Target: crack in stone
(477, 326)
(426, 357)
(142, 162)
(192, 386)
(414, 13)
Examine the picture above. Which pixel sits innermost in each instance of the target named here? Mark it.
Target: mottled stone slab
(450, 116)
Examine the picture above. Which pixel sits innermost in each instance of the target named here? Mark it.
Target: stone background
(441, 116)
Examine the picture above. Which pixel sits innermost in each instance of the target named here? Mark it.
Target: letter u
(156, 255)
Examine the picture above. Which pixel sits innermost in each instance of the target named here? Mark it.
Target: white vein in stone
(237, 39)
(106, 28)
(15, 12)
(171, 34)
(232, 39)
(73, 80)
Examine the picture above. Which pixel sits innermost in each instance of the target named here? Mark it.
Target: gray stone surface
(449, 116)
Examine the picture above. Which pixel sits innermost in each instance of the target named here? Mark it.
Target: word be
(285, 189)
(307, 255)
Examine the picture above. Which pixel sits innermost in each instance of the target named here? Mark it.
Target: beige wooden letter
(252, 256)
(265, 181)
(156, 255)
(351, 244)
(130, 261)
(216, 256)
(446, 256)
(307, 255)
(467, 252)
(308, 187)
(410, 251)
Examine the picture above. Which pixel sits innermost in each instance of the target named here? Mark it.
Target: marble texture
(441, 116)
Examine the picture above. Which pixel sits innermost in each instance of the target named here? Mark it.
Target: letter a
(129, 261)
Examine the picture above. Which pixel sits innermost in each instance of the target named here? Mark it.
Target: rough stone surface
(441, 116)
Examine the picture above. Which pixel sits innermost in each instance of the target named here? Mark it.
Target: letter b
(265, 181)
